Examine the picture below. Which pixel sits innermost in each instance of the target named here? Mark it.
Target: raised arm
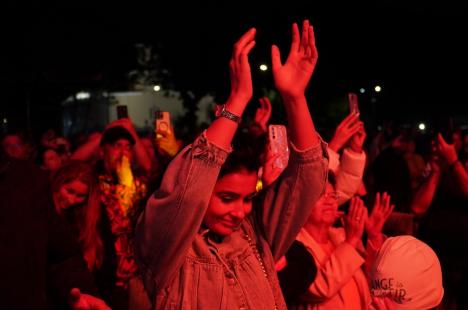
(174, 213)
(287, 202)
(291, 80)
(222, 130)
(449, 154)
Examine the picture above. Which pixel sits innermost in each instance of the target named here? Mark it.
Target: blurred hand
(379, 215)
(355, 221)
(166, 142)
(292, 77)
(79, 301)
(357, 140)
(349, 126)
(263, 114)
(446, 151)
(241, 78)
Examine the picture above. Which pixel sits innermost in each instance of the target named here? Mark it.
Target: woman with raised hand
(203, 241)
(342, 262)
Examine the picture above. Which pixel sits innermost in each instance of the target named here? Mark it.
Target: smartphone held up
(162, 122)
(353, 103)
(278, 140)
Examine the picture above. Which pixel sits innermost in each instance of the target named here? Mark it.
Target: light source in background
(5, 121)
(263, 67)
(362, 90)
(157, 87)
(82, 95)
(422, 126)
(378, 89)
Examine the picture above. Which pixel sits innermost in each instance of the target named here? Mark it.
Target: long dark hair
(84, 217)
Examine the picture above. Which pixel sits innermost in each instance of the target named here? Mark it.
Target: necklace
(256, 253)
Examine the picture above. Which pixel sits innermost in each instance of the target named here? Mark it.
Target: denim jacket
(186, 267)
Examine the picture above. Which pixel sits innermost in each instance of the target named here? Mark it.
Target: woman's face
(325, 211)
(51, 160)
(72, 194)
(230, 202)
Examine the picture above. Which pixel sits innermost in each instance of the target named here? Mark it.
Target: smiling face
(325, 210)
(231, 202)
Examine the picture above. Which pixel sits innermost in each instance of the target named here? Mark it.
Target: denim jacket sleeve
(174, 213)
(288, 201)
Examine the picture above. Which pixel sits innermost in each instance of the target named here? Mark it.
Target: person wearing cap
(406, 274)
(122, 197)
(89, 150)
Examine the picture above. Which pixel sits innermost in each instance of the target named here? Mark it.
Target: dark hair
(245, 155)
(85, 217)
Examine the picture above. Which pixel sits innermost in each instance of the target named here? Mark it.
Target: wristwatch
(231, 116)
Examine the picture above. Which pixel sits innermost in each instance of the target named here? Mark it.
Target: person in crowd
(90, 150)
(415, 162)
(43, 266)
(49, 160)
(201, 241)
(122, 195)
(441, 206)
(16, 146)
(348, 139)
(406, 274)
(341, 259)
(76, 197)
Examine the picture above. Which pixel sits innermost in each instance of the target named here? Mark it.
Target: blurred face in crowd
(71, 194)
(325, 211)
(231, 201)
(15, 147)
(112, 153)
(51, 160)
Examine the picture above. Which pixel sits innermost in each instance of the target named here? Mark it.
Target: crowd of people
(128, 221)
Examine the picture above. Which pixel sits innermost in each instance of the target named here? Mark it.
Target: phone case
(279, 144)
(163, 121)
(353, 103)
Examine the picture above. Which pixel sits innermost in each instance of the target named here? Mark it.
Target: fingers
(349, 120)
(244, 42)
(244, 59)
(295, 42)
(304, 37)
(312, 47)
(275, 58)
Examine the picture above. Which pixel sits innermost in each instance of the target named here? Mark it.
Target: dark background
(416, 51)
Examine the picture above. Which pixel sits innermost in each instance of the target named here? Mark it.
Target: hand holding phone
(353, 103)
(278, 140)
(162, 122)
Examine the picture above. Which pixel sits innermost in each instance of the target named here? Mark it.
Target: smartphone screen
(122, 111)
(353, 103)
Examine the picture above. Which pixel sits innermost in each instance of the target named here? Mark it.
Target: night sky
(417, 52)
